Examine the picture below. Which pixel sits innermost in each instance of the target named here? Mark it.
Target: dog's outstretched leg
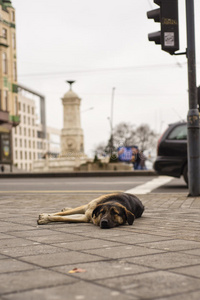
(45, 219)
(72, 211)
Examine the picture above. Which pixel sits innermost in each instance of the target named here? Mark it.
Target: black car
(172, 152)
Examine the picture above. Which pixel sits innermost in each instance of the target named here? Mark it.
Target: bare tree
(145, 137)
(126, 134)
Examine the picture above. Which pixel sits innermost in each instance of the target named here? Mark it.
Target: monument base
(61, 164)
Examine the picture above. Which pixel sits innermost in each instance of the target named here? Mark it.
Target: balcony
(4, 116)
(15, 120)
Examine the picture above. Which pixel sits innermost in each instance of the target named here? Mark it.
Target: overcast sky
(103, 44)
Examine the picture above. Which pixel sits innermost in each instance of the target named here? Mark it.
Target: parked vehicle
(172, 152)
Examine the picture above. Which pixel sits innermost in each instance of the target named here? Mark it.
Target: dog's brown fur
(106, 211)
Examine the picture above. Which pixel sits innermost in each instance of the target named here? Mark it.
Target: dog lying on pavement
(106, 211)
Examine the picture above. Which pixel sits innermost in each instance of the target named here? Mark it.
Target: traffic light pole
(193, 113)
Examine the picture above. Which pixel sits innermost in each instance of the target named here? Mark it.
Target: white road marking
(150, 185)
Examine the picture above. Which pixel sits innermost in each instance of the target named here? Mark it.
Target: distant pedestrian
(135, 157)
(138, 159)
(2, 168)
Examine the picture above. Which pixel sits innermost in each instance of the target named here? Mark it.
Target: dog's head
(109, 215)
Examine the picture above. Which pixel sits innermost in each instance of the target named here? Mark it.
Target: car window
(178, 133)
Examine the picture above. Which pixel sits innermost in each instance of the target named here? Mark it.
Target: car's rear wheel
(185, 174)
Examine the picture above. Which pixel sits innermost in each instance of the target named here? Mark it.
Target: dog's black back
(131, 202)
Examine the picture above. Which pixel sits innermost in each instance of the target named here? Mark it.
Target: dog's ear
(129, 216)
(96, 211)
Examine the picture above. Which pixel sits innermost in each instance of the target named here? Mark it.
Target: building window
(15, 71)
(20, 130)
(19, 106)
(16, 106)
(15, 142)
(24, 119)
(5, 69)
(4, 33)
(21, 155)
(25, 143)
(6, 100)
(16, 155)
(20, 141)
(24, 131)
(13, 16)
(13, 41)
(24, 107)
(30, 157)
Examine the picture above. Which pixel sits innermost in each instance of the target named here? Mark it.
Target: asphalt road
(85, 185)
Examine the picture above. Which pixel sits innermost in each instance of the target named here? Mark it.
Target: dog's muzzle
(104, 224)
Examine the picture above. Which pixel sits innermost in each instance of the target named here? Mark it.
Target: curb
(79, 174)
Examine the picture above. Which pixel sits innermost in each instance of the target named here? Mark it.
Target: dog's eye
(114, 212)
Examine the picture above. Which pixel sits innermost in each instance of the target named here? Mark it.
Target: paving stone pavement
(158, 257)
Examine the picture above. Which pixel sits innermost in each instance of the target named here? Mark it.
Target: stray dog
(106, 211)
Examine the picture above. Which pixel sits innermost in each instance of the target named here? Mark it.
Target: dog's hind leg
(72, 211)
(45, 219)
(66, 208)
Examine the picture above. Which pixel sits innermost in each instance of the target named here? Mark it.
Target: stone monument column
(72, 141)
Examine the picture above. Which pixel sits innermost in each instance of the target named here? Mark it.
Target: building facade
(8, 79)
(31, 139)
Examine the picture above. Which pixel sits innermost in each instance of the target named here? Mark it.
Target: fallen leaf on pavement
(77, 270)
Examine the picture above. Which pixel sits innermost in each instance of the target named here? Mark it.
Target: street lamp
(111, 120)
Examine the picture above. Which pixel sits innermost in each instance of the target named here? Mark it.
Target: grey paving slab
(103, 269)
(38, 232)
(153, 285)
(184, 296)
(60, 258)
(173, 245)
(165, 260)
(123, 251)
(34, 249)
(13, 265)
(13, 243)
(85, 244)
(74, 291)
(130, 237)
(193, 271)
(39, 278)
(56, 238)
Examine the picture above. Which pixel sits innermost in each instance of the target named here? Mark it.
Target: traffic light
(167, 15)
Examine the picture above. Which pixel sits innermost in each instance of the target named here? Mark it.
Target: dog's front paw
(43, 219)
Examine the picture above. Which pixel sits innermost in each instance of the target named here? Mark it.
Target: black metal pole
(111, 121)
(193, 113)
